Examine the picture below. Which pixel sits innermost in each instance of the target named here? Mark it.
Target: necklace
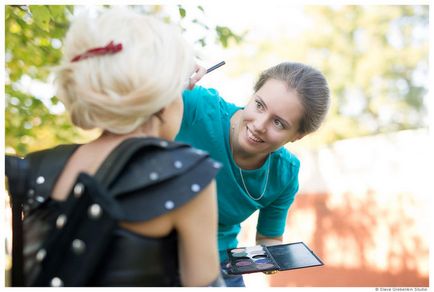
(242, 177)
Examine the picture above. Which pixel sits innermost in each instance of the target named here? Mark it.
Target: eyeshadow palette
(280, 257)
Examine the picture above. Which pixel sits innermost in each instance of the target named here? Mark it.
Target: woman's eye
(278, 124)
(258, 105)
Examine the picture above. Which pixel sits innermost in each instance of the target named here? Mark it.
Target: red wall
(365, 240)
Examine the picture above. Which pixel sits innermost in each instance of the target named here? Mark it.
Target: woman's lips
(253, 137)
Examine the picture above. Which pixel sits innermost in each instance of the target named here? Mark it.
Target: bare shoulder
(199, 206)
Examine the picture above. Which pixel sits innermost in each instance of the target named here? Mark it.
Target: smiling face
(270, 119)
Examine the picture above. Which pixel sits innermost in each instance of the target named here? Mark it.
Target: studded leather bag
(72, 250)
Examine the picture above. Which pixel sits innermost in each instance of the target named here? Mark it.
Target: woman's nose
(260, 125)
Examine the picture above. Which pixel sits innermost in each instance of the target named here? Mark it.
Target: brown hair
(311, 87)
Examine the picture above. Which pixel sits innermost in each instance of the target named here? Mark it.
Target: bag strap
(47, 164)
(119, 157)
(74, 252)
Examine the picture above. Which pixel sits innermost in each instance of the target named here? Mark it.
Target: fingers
(199, 72)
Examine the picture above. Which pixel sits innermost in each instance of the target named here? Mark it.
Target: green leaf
(57, 12)
(41, 16)
(225, 34)
(182, 12)
(70, 8)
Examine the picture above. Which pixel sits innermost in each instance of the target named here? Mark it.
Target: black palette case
(280, 257)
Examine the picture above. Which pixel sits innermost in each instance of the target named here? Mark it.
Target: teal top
(205, 125)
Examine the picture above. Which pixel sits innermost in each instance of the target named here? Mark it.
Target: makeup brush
(215, 66)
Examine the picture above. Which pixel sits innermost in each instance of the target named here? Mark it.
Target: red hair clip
(111, 48)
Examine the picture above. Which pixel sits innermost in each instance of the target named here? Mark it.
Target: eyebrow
(288, 124)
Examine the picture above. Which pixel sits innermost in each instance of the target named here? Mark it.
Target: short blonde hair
(119, 92)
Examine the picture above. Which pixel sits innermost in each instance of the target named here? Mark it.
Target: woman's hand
(199, 72)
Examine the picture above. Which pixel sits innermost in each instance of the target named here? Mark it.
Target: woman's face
(270, 119)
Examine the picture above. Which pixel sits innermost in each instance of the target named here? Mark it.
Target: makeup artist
(121, 74)
(290, 100)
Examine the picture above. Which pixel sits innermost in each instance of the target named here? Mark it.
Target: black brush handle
(215, 66)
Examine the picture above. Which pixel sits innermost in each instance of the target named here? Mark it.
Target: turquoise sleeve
(272, 219)
(191, 100)
(196, 102)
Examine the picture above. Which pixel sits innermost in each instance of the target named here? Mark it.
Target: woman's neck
(249, 161)
(148, 129)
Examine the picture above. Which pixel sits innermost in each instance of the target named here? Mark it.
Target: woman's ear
(159, 115)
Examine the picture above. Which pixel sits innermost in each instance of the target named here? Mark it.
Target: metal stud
(169, 205)
(61, 220)
(200, 152)
(164, 144)
(153, 176)
(78, 189)
(40, 255)
(195, 188)
(56, 282)
(177, 164)
(216, 165)
(94, 211)
(40, 199)
(31, 192)
(78, 246)
(40, 180)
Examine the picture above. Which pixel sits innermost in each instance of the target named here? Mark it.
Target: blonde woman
(124, 73)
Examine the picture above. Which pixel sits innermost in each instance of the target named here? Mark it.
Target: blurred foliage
(375, 59)
(33, 36)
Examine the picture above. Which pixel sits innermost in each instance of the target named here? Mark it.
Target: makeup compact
(279, 257)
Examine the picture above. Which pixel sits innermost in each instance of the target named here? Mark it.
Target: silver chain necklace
(242, 178)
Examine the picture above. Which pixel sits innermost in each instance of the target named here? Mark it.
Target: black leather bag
(71, 253)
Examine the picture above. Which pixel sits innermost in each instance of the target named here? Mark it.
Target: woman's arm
(266, 240)
(196, 223)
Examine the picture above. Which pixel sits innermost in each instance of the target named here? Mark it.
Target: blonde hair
(119, 92)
